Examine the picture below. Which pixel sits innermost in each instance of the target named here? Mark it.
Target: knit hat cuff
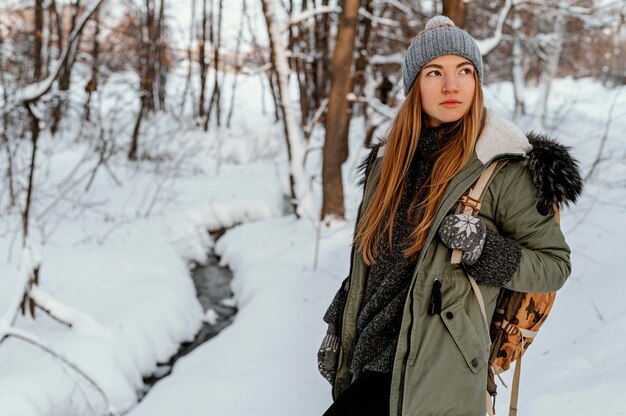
(438, 41)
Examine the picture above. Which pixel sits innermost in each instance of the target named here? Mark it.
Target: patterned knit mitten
(327, 355)
(466, 233)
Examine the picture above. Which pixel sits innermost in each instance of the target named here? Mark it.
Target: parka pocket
(461, 327)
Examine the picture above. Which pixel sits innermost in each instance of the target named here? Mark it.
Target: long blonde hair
(400, 147)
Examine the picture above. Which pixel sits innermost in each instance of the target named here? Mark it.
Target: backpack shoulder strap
(470, 204)
(470, 201)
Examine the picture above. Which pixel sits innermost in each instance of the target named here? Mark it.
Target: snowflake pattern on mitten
(466, 233)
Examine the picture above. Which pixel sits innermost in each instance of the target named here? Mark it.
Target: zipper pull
(434, 306)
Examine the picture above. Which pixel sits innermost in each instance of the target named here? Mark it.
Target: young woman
(386, 351)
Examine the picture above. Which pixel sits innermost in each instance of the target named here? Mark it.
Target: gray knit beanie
(439, 37)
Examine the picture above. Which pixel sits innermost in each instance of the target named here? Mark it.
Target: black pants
(367, 396)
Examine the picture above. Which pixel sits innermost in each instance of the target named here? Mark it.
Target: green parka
(440, 365)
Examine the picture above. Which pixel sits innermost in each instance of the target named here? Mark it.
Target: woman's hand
(327, 354)
(466, 233)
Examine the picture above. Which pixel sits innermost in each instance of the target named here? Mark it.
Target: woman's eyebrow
(441, 66)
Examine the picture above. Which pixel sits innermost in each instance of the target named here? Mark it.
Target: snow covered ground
(120, 256)
(124, 264)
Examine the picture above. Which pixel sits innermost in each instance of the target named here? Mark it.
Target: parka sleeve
(545, 259)
(331, 316)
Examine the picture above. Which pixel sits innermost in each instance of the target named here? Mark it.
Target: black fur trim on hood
(363, 168)
(555, 172)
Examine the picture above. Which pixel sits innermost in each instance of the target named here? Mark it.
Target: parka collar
(500, 137)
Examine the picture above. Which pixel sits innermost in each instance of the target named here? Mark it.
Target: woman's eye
(466, 71)
(434, 73)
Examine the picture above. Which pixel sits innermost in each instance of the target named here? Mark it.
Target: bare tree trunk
(47, 59)
(455, 10)
(307, 70)
(34, 121)
(551, 66)
(518, 72)
(216, 39)
(358, 78)
(322, 48)
(192, 34)
(148, 73)
(5, 125)
(272, 87)
(160, 63)
(335, 152)
(35, 130)
(202, 61)
(269, 74)
(134, 140)
(92, 85)
(58, 23)
(237, 63)
(150, 70)
(301, 198)
(38, 34)
(298, 63)
(65, 76)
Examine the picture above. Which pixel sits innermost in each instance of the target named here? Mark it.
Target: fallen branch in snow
(9, 331)
(29, 268)
(67, 315)
(26, 296)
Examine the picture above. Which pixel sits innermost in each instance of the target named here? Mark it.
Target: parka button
(449, 315)
(474, 362)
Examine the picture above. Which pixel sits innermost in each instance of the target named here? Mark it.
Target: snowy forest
(178, 193)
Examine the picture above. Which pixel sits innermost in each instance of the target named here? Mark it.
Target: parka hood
(554, 171)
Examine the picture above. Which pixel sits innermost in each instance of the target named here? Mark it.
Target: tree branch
(36, 90)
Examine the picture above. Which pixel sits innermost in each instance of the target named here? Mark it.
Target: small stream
(212, 284)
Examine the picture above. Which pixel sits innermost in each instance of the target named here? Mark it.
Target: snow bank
(118, 260)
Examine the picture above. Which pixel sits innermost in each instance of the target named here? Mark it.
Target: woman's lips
(450, 103)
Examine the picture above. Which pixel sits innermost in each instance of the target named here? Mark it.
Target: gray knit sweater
(388, 279)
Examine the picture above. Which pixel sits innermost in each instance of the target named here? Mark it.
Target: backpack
(518, 315)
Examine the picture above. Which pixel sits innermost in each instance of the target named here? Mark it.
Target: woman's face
(447, 87)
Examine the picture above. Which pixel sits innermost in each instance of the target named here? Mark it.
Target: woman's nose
(450, 84)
